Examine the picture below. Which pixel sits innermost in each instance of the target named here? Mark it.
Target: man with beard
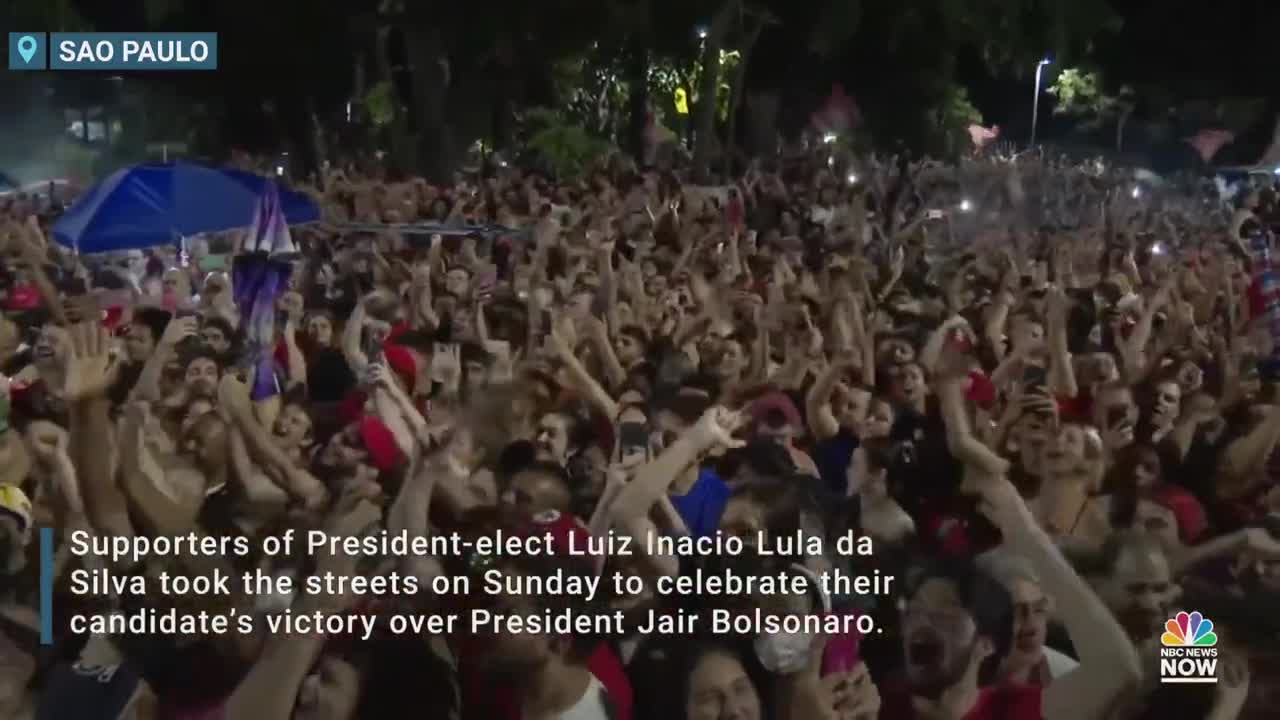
(277, 455)
(36, 391)
(1136, 582)
(958, 626)
(200, 374)
(171, 488)
(545, 675)
(364, 448)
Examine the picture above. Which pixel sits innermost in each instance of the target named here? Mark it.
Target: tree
(565, 149)
(704, 111)
(952, 119)
(1080, 93)
(912, 49)
(758, 20)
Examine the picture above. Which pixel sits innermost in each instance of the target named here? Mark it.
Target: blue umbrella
(154, 204)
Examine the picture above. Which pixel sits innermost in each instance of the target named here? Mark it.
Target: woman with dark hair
(329, 377)
(698, 680)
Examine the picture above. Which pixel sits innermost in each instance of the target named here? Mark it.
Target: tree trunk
(638, 101)
(704, 112)
(762, 123)
(735, 101)
(401, 145)
(1120, 123)
(430, 85)
(319, 146)
(358, 84)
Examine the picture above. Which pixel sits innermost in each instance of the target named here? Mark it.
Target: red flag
(838, 114)
(1207, 142)
(982, 136)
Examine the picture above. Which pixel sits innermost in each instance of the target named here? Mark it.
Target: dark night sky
(1197, 48)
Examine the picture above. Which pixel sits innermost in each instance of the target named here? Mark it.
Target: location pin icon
(26, 48)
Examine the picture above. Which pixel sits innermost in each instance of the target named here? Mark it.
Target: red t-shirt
(23, 297)
(1076, 409)
(1004, 702)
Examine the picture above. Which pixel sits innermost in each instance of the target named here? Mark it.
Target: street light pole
(1035, 100)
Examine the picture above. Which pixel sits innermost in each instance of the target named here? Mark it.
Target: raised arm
(297, 369)
(1062, 376)
(147, 388)
(598, 335)
(1243, 460)
(353, 336)
(31, 244)
(951, 377)
(817, 402)
(233, 398)
(90, 373)
(1109, 664)
(269, 691)
(143, 479)
(652, 480)
(584, 383)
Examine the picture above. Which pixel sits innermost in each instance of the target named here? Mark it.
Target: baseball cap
(776, 409)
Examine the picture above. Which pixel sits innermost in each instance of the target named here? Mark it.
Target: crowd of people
(1046, 393)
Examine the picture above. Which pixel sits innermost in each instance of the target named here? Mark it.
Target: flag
(1208, 142)
(982, 136)
(260, 274)
(838, 114)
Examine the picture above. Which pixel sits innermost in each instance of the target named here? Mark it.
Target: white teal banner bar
(133, 51)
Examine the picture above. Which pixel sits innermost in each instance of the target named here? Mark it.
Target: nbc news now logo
(1189, 652)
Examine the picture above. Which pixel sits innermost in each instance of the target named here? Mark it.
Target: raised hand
(859, 698)
(834, 696)
(717, 426)
(48, 443)
(90, 369)
(446, 366)
(897, 261)
(232, 393)
(562, 337)
(179, 329)
(503, 368)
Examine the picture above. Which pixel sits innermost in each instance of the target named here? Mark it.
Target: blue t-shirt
(832, 456)
(701, 507)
